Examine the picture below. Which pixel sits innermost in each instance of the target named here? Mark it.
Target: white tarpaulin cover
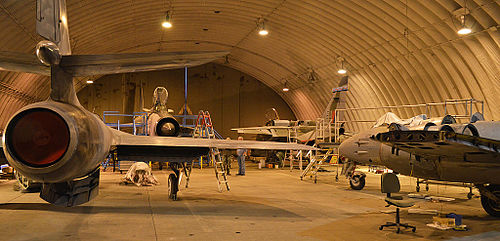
(387, 119)
(140, 175)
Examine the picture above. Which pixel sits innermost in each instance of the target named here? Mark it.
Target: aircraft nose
(346, 149)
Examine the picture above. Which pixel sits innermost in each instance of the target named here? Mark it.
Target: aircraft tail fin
(52, 23)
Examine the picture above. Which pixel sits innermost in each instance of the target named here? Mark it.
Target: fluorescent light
(342, 71)
(464, 31)
(263, 32)
(90, 81)
(285, 89)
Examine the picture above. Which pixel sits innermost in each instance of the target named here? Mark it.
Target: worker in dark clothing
(241, 159)
(227, 156)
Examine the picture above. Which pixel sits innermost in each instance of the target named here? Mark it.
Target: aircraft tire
(357, 182)
(490, 206)
(172, 187)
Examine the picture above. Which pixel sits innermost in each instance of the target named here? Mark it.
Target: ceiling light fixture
(167, 23)
(262, 27)
(90, 81)
(342, 69)
(285, 88)
(464, 30)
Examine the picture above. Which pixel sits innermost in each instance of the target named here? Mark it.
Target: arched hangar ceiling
(430, 63)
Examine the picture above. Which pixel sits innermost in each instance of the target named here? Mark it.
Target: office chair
(390, 184)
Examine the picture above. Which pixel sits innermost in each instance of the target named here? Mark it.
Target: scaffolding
(139, 123)
(139, 126)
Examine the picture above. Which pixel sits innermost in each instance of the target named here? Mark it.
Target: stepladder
(219, 168)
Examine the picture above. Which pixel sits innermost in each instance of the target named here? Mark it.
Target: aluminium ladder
(205, 129)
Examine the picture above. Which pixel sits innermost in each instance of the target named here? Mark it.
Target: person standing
(241, 159)
(227, 156)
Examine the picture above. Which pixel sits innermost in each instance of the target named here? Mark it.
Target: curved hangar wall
(234, 99)
(386, 66)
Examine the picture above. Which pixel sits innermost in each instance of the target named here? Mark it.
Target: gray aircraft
(434, 149)
(61, 144)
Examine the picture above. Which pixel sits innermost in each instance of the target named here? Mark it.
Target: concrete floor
(265, 204)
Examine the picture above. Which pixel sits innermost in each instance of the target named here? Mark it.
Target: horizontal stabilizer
(87, 65)
(20, 62)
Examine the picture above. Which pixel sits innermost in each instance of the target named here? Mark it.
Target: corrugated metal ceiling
(386, 67)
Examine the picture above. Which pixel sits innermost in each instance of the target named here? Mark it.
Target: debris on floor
(430, 198)
(450, 221)
(422, 211)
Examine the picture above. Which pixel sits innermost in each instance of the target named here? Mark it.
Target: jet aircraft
(434, 149)
(304, 131)
(61, 144)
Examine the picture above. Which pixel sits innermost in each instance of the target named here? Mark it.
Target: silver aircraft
(304, 131)
(160, 120)
(434, 149)
(61, 144)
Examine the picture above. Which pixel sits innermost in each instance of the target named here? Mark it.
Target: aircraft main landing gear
(173, 181)
(490, 199)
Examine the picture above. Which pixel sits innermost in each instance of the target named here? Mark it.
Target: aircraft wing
(87, 65)
(131, 147)
(436, 144)
(20, 62)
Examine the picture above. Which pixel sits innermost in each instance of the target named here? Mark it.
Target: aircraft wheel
(172, 187)
(489, 205)
(357, 182)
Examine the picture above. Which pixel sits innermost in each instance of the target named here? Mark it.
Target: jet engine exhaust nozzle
(37, 137)
(167, 127)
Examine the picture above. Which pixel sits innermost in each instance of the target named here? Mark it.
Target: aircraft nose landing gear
(357, 181)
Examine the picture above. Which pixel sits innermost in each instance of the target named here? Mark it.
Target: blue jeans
(241, 164)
